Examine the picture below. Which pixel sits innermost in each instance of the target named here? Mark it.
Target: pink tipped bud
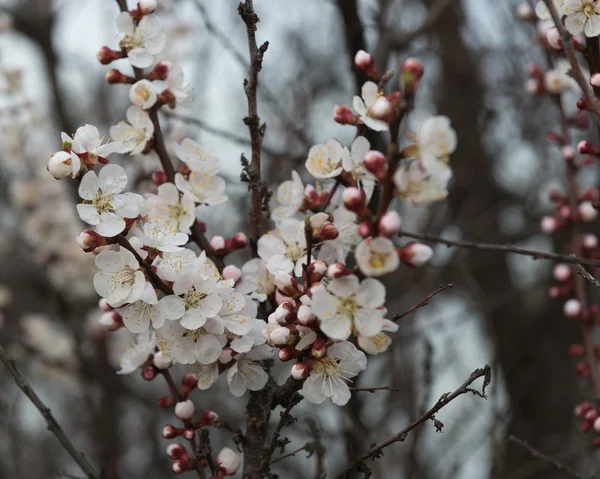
(185, 409)
(415, 254)
(179, 467)
(63, 164)
(336, 270)
(229, 462)
(159, 72)
(319, 349)
(171, 432)
(287, 353)
(561, 272)
(286, 284)
(582, 408)
(587, 212)
(217, 243)
(533, 86)
(354, 200)
(326, 233)
(105, 55)
(149, 373)
(383, 109)
(111, 320)
(161, 361)
(159, 177)
(188, 383)
(165, 402)
(585, 147)
(590, 241)
(114, 76)
(376, 163)
(232, 272)
(366, 63)
(177, 451)
(88, 240)
(525, 12)
(317, 269)
(576, 350)
(553, 38)
(279, 336)
(591, 415)
(104, 306)
(365, 229)
(147, 6)
(572, 308)
(414, 67)
(595, 80)
(343, 115)
(189, 433)
(238, 241)
(390, 223)
(208, 417)
(549, 224)
(226, 356)
(305, 315)
(299, 371)
(568, 152)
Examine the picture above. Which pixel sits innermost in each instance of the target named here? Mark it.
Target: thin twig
(540, 455)
(376, 450)
(320, 449)
(422, 303)
(204, 451)
(308, 447)
(372, 390)
(53, 425)
(587, 276)
(506, 248)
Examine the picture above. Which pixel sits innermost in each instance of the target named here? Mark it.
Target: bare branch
(376, 450)
(308, 447)
(422, 303)
(53, 425)
(372, 390)
(540, 455)
(506, 248)
(587, 276)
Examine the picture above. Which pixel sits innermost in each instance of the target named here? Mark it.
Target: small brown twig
(372, 390)
(308, 447)
(540, 455)
(53, 425)
(505, 248)
(319, 446)
(204, 452)
(375, 451)
(422, 303)
(587, 276)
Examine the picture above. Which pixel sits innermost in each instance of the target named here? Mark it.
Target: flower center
(347, 306)
(294, 251)
(327, 367)
(193, 299)
(103, 203)
(589, 10)
(377, 260)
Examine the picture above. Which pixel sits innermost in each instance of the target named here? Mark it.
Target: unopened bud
(305, 315)
(170, 432)
(365, 229)
(390, 223)
(411, 73)
(238, 241)
(366, 63)
(161, 361)
(572, 308)
(188, 383)
(549, 224)
(354, 200)
(582, 408)
(189, 433)
(415, 254)
(229, 462)
(279, 336)
(165, 402)
(327, 232)
(553, 37)
(63, 164)
(533, 86)
(299, 371)
(590, 241)
(317, 269)
(595, 80)
(114, 76)
(185, 409)
(576, 350)
(159, 177)
(176, 451)
(597, 429)
(582, 369)
(561, 272)
(568, 152)
(585, 147)
(226, 356)
(525, 12)
(287, 353)
(149, 373)
(147, 6)
(179, 467)
(88, 240)
(336, 270)
(104, 306)
(319, 349)
(383, 109)
(232, 272)
(587, 212)
(376, 163)
(343, 115)
(217, 243)
(286, 283)
(208, 417)
(105, 55)
(111, 320)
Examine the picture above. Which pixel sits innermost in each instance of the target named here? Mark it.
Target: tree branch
(53, 425)
(506, 248)
(422, 303)
(376, 450)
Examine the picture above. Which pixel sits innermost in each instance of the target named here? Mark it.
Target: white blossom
(202, 187)
(142, 94)
(256, 281)
(290, 196)
(377, 256)
(171, 208)
(362, 105)
(200, 299)
(142, 41)
(247, 373)
(353, 163)
(207, 374)
(329, 376)
(285, 249)
(137, 352)
(183, 93)
(134, 133)
(557, 80)
(138, 316)
(190, 346)
(63, 164)
(338, 248)
(380, 342)
(325, 161)
(120, 279)
(87, 141)
(105, 208)
(160, 236)
(583, 16)
(347, 305)
(422, 185)
(196, 158)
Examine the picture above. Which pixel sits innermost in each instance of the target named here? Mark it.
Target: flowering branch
(506, 248)
(375, 451)
(422, 303)
(53, 425)
(540, 455)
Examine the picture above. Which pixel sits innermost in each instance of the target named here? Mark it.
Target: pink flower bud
(390, 223)
(587, 212)
(63, 164)
(561, 272)
(287, 353)
(582, 408)
(189, 433)
(336, 270)
(176, 451)
(104, 306)
(299, 371)
(365, 229)
(105, 55)
(165, 402)
(111, 320)
(549, 224)
(553, 38)
(585, 147)
(161, 361)
(363, 60)
(208, 417)
(149, 373)
(238, 241)
(319, 349)
(568, 152)
(285, 283)
(279, 336)
(218, 244)
(188, 383)
(226, 356)
(159, 177)
(533, 86)
(576, 350)
(232, 272)
(415, 254)
(525, 12)
(383, 109)
(572, 308)
(229, 462)
(591, 415)
(114, 76)
(170, 432)
(326, 233)
(343, 115)
(88, 240)
(414, 67)
(590, 241)
(595, 80)
(376, 163)
(317, 269)
(305, 315)
(185, 409)
(179, 467)
(354, 200)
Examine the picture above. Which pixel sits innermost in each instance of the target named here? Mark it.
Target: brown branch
(506, 248)
(576, 71)
(308, 447)
(540, 455)
(204, 452)
(376, 450)
(587, 276)
(319, 447)
(372, 390)
(252, 120)
(53, 425)
(422, 303)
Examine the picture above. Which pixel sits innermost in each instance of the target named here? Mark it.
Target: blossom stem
(53, 425)
(422, 303)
